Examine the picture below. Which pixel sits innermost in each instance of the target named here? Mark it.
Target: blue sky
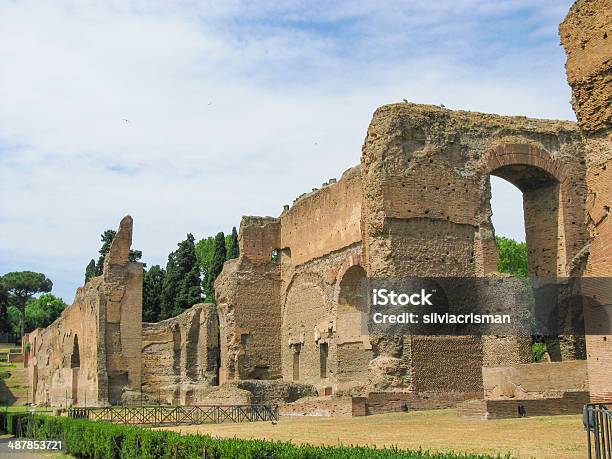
(234, 108)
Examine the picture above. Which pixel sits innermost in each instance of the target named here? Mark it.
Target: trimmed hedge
(103, 440)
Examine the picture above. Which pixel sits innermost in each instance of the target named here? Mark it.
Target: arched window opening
(352, 304)
(75, 358)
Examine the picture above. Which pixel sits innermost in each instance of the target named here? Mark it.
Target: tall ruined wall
(427, 196)
(325, 220)
(426, 212)
(248, 297)
(320, 241)
(586, 34)
(180, 356)
(283, 288)
(64, 365)
(91, 354)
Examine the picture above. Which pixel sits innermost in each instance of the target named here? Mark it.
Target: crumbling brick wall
(535, 380)
(91, 354)
(417, 205)
(180, 356)
(586, 35)
(248, 297)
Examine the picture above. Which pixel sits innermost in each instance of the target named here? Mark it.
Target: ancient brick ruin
(92, 353)
(585, 34)
(290, 316)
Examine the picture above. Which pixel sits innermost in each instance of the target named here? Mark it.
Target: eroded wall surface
(586, 35)
(247, 293)
(91, 354)
(180, 356)
(417, 205)
(535, 380)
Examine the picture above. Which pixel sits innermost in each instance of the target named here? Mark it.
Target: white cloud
(225, 101)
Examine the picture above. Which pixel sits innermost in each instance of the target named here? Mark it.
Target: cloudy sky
(233, 107)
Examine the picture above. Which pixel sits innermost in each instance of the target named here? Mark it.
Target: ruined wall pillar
(123, 307)
(586, 35)
(248, 298)
(419, 220)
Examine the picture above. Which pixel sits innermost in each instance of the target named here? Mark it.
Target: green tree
(512, 257)
(5, 325)
(232, 247)
(169, 287)
(152, 293)
(107, 239)
(216, 265)
(22, 286)
(182, 285)
(43, 311)
(204, 252)
(90, 270)
(205, 249)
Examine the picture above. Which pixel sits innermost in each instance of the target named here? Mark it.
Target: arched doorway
(352, 305)
(352, 340)
(550, 230)
(75, 365)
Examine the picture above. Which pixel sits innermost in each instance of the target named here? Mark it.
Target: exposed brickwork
(179, 356)
(585, 34)
(418, 205)
(535, 380)
(247, 294)
(326, 406)
(291, 307)
(568, 403)
(385, 402)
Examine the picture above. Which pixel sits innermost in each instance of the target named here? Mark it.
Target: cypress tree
(107, 238)
(204, 252)
(190, 289)
(169, 287)
(90, 270)
(151, 293)
(182, 285)
(216, 265)
(233, 250)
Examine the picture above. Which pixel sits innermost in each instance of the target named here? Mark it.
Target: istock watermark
(486, 306)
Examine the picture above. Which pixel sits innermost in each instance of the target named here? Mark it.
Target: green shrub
(538, 351)
(102, 440)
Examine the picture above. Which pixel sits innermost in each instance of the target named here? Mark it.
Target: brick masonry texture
(291, 311)
(585, 34)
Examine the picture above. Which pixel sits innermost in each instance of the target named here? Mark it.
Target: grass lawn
(440, 430)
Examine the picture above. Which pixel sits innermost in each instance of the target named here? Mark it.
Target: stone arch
(541, 179)
(549, 211)
(523, 154)
(351, 300)
(352, 341)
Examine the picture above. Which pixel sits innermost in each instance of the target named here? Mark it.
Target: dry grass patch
(540, 437)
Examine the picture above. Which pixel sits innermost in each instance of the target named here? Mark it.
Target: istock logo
(384, 297)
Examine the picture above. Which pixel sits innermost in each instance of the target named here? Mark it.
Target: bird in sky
(125, 120)
(405, 100)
